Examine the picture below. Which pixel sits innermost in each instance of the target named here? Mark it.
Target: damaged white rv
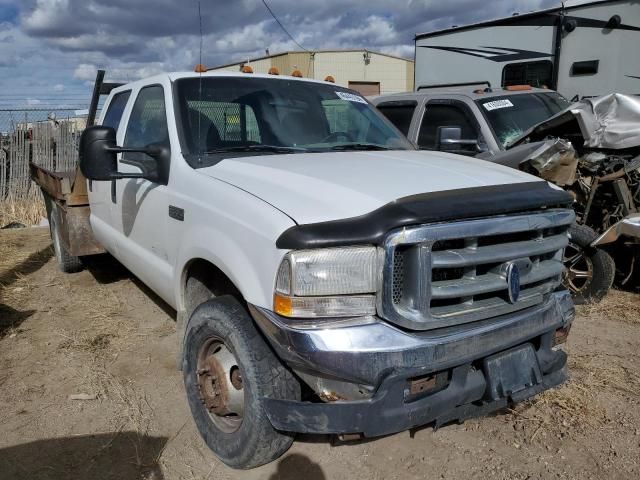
(582, 49)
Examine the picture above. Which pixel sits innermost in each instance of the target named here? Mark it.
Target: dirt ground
(102, 337)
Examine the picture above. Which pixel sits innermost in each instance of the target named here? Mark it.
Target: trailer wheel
(589, 271)
(228, 369)
(67, 263)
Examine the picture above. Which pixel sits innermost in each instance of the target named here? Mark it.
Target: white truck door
(140, 210)
(100, 193)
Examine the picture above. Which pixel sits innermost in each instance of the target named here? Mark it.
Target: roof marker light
(517, 88)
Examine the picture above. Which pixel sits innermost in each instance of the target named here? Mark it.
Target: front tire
(589, 271)
(228, 369)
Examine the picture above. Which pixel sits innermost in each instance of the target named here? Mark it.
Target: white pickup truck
(327, 276)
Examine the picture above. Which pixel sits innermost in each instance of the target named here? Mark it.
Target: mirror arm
(129, 175)
(125, 150)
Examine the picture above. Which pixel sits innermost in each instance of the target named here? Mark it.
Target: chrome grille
(445, 274)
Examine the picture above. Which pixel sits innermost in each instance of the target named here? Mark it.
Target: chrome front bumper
(365, 353)
(390, 360)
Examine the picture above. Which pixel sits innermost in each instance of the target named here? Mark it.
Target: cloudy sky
(50, 49)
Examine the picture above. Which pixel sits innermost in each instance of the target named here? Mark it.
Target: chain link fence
(45, 137)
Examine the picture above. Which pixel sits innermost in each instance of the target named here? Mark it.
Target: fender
(242, 268)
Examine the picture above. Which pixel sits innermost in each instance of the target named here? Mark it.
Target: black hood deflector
(465, 203)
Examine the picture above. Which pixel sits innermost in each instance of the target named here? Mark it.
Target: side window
(147, 122)
(399, 113)
(445, 115)
(536, 74)
(116, 109)
(587, 67)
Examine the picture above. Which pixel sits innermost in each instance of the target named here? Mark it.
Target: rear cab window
(116, 107)
(400, 113)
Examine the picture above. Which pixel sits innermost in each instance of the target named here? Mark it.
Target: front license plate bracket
(511, 371)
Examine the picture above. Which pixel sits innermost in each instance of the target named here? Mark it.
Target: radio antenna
(200, 87)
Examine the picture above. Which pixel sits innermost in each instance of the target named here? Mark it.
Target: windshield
(512, 115)
(254, 115)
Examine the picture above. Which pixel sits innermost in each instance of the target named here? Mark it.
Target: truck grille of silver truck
(445, 274)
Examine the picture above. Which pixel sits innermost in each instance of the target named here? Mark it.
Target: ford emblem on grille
(513, 282)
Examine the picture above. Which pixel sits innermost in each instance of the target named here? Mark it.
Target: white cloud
(47, 14)
(58, 44)
(85, 71)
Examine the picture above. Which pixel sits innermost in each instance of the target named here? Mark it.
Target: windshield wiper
(257, 148)
(359, 146)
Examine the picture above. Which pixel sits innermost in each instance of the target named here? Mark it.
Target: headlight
(328, 282)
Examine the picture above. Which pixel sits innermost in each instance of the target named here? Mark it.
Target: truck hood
(319, 187)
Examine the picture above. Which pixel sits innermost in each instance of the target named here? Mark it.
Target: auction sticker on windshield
(496, 104)
(351, 97)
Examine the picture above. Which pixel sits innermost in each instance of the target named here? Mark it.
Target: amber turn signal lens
(517, 88)
(282, 305)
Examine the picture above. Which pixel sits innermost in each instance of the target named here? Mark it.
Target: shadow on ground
(296, 467)
(109, 456)
(106, 270)
(32, 263)
(11, 318)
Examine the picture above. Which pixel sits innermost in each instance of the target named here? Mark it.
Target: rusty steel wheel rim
(220, 385)
(578, 268)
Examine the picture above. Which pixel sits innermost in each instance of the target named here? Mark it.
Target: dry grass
(574, 407)
(8, 249)
(104, 330)
(28, 211)
(619, 305)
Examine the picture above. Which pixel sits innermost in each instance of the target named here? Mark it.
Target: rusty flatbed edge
(68, 190)
(69, 187)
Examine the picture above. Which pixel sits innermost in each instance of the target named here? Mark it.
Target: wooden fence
(52, 144)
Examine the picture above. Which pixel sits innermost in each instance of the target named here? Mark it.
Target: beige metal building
(370, 73)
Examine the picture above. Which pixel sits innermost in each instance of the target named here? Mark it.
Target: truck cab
(328, 277)
(469, 120)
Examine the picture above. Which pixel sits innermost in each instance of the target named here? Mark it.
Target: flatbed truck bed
(67, 201)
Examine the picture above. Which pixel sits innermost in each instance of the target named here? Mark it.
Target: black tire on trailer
(67, 263)
(589, 271)
(228, 369)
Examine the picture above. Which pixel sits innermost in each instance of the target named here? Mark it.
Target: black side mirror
(97, 155)
(98, 150)
(451, 137)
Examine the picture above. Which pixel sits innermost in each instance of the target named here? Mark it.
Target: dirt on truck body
(89, 390)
